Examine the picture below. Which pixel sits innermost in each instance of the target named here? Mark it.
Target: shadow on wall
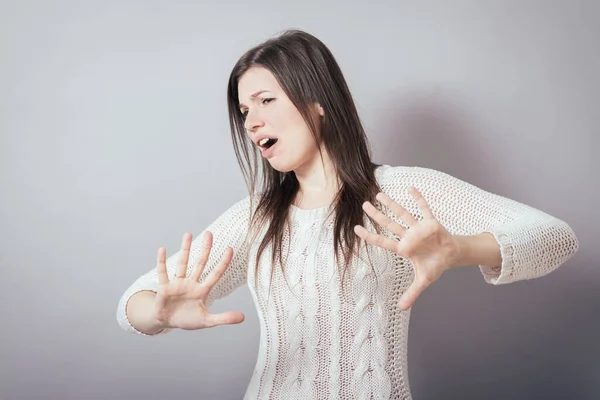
(438, 129)
(470, 339)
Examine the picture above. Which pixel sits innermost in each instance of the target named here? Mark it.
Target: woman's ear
(320, 110)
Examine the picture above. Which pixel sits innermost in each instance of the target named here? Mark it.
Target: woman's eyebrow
(252, 96)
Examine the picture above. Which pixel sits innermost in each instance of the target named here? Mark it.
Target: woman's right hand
(181, 302)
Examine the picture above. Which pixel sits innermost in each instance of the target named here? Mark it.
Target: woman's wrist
(481, 249)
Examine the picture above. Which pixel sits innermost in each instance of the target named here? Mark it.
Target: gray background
(114, 141)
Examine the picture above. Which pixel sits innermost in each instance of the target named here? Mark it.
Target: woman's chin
(281, 167)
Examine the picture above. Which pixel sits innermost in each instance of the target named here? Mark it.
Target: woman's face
(269, 113)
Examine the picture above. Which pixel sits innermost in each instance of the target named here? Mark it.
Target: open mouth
(267, 143)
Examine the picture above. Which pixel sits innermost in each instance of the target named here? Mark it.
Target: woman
(335, 249)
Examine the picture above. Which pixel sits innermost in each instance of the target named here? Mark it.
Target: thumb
(225, 318)
(410, 296)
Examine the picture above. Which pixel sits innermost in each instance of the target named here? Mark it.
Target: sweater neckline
(320, 213)
(305, 215)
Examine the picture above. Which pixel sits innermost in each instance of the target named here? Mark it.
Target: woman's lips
(268, 152)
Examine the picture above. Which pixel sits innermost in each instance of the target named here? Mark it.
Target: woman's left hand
(426, 243)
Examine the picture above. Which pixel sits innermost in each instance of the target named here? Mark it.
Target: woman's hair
(308, 73)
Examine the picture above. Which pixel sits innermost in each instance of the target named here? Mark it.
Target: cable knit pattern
(319, 342)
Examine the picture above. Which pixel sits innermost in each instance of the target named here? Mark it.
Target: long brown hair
(308, 73)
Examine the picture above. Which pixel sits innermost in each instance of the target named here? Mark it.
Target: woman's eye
(263, 101)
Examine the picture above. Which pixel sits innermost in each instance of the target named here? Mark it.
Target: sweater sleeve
(229, 230)
(532, 242)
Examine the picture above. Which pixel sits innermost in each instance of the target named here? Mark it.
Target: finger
(375, 239)
(160, 302)
(225, 318)
(184, 255)
(220, 269)
(410, 296)
(423, 206)
(397, 209)
(207, 242)
(161, 266)
(383, 219)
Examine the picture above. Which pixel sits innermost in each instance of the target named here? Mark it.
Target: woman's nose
(253, 122)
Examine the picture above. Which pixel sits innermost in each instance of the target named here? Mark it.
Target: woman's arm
(481, 249)
(139, 313)
(134, 311)
(508, 240)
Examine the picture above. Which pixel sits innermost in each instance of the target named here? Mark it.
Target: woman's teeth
(267, 142)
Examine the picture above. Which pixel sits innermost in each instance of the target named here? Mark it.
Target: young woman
(335, 249)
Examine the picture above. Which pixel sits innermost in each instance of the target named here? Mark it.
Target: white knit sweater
(319, 344)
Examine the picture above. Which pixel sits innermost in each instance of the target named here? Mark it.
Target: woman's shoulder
(385, 173)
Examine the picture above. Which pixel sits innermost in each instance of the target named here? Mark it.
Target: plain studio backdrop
(115, 141)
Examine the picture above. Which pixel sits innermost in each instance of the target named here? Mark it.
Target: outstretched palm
(181, 302)
(426, 243)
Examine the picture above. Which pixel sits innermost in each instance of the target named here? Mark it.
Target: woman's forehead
(255, 81)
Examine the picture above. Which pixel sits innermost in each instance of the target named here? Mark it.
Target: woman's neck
(319, 183)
